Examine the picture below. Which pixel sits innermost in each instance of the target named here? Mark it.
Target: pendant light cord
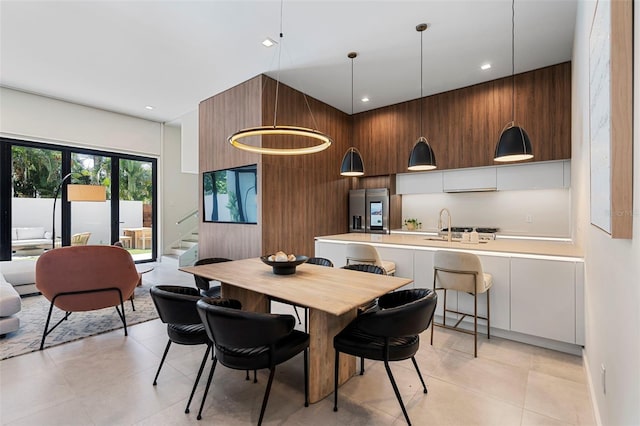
(513, 61)
(421, 62)
(306, 100)
(275, 107)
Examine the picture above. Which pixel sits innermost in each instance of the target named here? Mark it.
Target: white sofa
(10, 305)
(21, 274)
(30, 238)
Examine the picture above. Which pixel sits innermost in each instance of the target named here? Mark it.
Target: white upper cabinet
(547, 175)
(466, 180)
(419, 183)
(540, 175)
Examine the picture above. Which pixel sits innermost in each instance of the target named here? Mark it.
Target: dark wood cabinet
(463, 125)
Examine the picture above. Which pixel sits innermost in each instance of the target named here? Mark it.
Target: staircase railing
(188, 216)
(189, 257)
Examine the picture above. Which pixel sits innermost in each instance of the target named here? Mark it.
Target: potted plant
(412, 223)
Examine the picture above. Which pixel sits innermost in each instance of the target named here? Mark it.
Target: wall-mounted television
(230, 195)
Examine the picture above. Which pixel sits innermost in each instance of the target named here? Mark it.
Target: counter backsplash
(544, 212)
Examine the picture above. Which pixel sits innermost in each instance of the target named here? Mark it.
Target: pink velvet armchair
(85, 278)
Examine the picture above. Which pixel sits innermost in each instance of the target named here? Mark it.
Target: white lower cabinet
(337, 253)
(403, 259)
(499, 302)
(543, 298)
(423, 278)
(537, 297)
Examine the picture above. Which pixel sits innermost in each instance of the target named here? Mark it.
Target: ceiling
(125, 55)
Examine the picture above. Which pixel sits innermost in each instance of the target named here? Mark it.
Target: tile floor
(106, 380)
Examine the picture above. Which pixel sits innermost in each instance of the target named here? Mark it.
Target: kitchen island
(538, 285)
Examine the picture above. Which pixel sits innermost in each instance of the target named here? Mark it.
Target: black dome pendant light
(422, 157)
(514, 143)
(352, 164)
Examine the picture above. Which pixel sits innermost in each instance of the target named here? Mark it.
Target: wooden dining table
(332, 296)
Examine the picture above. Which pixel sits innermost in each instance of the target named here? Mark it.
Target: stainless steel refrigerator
(369, 210)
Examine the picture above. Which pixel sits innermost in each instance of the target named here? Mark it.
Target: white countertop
(563, 250)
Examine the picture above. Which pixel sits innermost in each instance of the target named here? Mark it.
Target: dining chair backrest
(201, 282)
(229, 327)
(176, 304)
(363, 267)
(403, 313)
(320, 261)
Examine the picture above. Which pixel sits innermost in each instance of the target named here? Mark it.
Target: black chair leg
(255, 376)
(247, 378)
(195, 385)
(335, 381)
(396, 391)
(166, 351)
(306, 377)
(361, 366)
(415, 364)
(295, 309)
(266, 394)
(206, 390)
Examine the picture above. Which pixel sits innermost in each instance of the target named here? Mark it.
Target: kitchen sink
(454, 240)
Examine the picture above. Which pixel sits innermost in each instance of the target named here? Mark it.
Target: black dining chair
(177, 308)
(321, 261)
(251, 341)
(203, 283)
(371, 269)
(390, 333)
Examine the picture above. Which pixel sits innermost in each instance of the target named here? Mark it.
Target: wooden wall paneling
(219, 116)
(543, 108)
(481, 124)
(463, 125)
(376, 150)
(443, 119)
(304, 195)
(374, 182)
(408, 132)
(622, 119)
(499, 113)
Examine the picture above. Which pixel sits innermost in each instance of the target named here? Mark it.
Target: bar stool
(364, 253)
(460, 271)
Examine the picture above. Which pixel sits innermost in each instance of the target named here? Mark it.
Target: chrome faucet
(448, 223)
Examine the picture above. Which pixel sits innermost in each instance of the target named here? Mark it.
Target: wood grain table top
(332, 290)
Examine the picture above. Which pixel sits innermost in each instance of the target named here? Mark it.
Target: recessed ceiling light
(365, 99)
(267, 42)
(149, 107)
(485, 67)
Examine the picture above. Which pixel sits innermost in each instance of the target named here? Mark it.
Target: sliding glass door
(136, 207)
(90, 220)
(35, 176)
(30, 175)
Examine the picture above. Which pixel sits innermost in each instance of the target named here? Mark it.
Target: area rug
(79, 324)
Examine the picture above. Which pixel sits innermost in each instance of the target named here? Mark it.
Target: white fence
(85, 216)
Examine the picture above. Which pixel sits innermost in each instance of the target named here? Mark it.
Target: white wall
(33, 117)
(612, 287)
(37, 118)
(180, 190)
(549, 209)
(85, 216)
(189, 142)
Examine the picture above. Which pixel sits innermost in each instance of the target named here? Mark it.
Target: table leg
(322, 328)
(251, 301)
